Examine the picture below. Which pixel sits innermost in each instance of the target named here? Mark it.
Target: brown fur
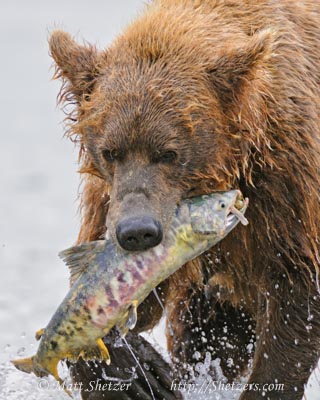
(234, 88)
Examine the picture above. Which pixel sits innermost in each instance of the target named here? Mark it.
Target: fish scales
(109, 283)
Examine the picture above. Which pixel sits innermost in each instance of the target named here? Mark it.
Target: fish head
(217, 213)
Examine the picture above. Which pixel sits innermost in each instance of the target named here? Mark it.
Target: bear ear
(235, 71)
(76, 63)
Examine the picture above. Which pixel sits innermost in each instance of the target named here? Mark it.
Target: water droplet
(230, 362)
(310, 317)
(21, 351)
(197, 355)
(308, 327)
(118, 342)
(250, 348)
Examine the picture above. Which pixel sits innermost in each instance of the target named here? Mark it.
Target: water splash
(140, 366)
(164, 311)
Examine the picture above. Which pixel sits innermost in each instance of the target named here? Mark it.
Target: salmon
(109, 283)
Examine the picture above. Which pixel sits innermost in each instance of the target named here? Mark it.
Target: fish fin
(28, 365)
(39, 334)
(89, 354)
(78, 258)
(65, 389)
(104, 351)
(53, 368)
(86, 354)
(24, 364)
(83, 355)
(99, 352)
(122, 327)
(130, 320)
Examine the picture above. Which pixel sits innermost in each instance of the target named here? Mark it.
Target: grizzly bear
(197, 96)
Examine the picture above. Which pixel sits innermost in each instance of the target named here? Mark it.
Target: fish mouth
(236, 212)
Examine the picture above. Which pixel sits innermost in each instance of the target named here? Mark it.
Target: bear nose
(140, 233)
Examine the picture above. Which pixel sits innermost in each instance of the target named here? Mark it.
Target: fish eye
(222, 204)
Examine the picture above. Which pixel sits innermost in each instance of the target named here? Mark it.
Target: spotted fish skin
(109, 283)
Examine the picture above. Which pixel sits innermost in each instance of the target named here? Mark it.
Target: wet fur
(237, 86)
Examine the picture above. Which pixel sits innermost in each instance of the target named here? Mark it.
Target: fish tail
(24, 364)
(29, 365)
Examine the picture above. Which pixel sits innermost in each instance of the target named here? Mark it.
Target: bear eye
(167, 157)
(110, 155)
